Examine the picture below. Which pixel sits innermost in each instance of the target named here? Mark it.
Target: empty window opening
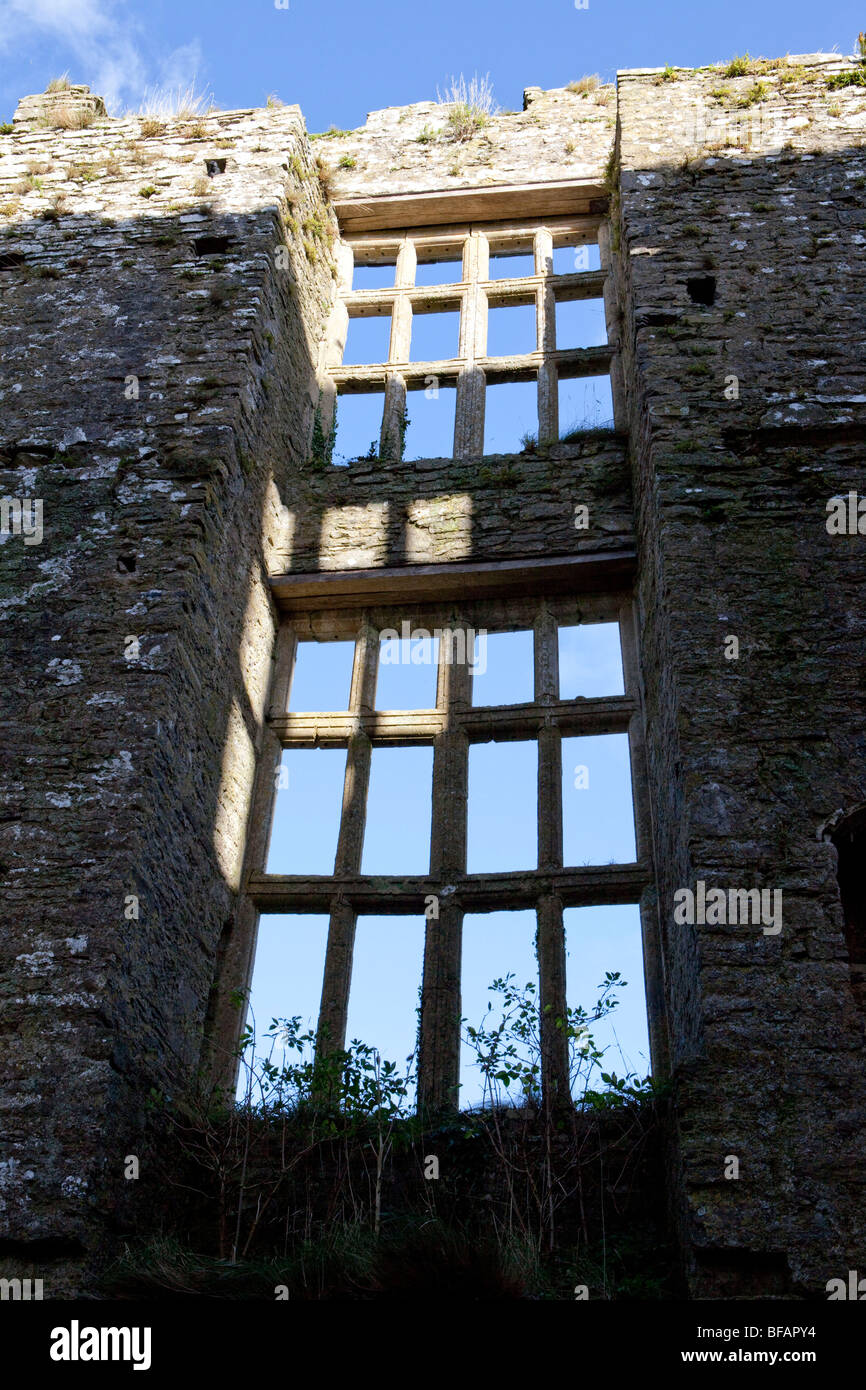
(597, 812)
(572, 260)
(286, 984)
(309, 799)
(407, 669)
(496, 945)
(849, 837)
(387, 965)
(367, 340)
(510, 265)
(211, 245)
(435, 336)
(590, 661)
(503, 668)
(445, 271)
(702, 289)
(322, 676)
(376, 276)
(358, 425)
(580, 323)
(214, 167)
(431, 412)
(399, 809)
(600, 941)
(10, 259)
(585, 403)
(511, 330)
(503, 792)
(510, 416)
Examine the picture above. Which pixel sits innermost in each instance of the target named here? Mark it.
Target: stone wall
(160, 334)
(747, 415)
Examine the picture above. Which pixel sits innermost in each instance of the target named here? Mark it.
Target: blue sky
(339, 60)
(598, 828)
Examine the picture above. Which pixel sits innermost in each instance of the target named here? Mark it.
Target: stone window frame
(540, 596)
(470, 370)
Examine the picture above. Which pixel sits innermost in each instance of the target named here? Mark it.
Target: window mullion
(471, 382)
(548, 385)
(439, 1056)
(341, 931)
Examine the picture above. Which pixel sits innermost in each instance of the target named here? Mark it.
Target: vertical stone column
(341, 932)
(550, 938)
(471, 382)
(439, 1057)
(545, 314)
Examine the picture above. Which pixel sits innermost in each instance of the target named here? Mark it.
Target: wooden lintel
(500, 723)
(488, 203)
(575, 887)
(589, 571)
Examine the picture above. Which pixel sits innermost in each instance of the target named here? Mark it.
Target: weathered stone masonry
(736, 227)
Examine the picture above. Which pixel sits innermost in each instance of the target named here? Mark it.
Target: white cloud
(100, 43)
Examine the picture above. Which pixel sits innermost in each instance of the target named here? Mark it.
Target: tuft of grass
(759, 91)
(584, 85)
(854, 77)
(668, 74)
(68, 118)
(470, 106)
(739, 66)
(147, 191)
(325, 176)
(274, 100)
(6, 128)
(175, 104)
(426, 135)
(150, 126)
(332, 133)
(347, 161)
(59, 84)
(56, 208)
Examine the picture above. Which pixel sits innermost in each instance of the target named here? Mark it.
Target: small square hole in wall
(431, 412)
(510, 413)
(600, 941)
(495, 945)
(511, 330)
(408, 669)
(435, 337)
(571, 260)
(368, 340)
(286, 984)
(585, 403)
(580, 323)
(376, 276)
(597, 813)
(503, 668)
(307, 811)
(358, 425)
(399, 812)
(387, 967)
(322, 676)
(590, 661)
(446, 269)
(503, 794)
(511, 265)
